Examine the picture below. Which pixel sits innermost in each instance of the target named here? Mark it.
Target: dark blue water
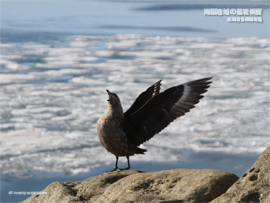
(175, 18)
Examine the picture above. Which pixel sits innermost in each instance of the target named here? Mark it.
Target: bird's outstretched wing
(143, 98)
(162, 109)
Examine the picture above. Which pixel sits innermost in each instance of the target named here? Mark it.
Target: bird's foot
(115, 169)
(122, 169)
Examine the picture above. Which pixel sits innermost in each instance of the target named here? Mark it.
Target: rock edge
(178, 185)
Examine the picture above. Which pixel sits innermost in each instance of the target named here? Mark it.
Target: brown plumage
(121, 133)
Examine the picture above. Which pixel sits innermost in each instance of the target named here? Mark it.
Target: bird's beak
(110, 95)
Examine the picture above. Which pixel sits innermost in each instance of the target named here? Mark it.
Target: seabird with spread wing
(121, 133)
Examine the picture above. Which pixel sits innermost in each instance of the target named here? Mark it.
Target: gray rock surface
(253, 186)
(182, 185)
(179, 185)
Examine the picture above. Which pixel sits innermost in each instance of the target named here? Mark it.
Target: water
(57, 61)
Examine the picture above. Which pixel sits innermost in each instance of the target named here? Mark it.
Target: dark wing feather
(162, 109)
(143, 98)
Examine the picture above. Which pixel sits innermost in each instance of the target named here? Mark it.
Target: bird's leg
(115, 167)
(116, 162)
(128, 164)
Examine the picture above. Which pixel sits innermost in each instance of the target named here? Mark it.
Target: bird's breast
(112, 136)
(110, 130)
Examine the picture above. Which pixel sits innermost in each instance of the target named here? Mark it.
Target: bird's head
(113, 98)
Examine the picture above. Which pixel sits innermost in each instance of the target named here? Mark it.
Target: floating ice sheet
(52, 95)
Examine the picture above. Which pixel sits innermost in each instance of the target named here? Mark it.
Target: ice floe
(52, 95)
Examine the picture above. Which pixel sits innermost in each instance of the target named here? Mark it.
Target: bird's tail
(140, 151)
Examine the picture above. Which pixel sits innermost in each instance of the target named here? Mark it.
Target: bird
(121, 133)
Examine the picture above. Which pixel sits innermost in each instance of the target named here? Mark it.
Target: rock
(253, 186)
(182, 185)
(92, 188)
(179, 185)
(88, 190)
